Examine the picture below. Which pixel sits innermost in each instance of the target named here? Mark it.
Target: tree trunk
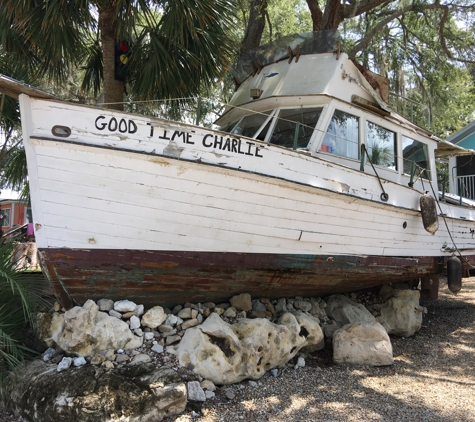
(255, 27)
(333, 15)
(113, 89)
(316, 14)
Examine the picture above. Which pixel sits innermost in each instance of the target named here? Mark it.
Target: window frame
(397, 135)
(426, 148)
(295, 107)
(9, 216)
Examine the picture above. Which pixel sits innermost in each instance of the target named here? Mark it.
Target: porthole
(61, 131)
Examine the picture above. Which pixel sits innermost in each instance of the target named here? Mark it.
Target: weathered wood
(168, 278)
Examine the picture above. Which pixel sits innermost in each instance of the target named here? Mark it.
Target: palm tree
(170, 48)
(20, 299)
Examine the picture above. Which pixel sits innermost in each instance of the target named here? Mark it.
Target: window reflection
(285, 128)
(342, 135)
(249, 125)
(381, 145)
(415, 152)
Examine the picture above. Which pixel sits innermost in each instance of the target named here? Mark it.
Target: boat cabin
(302, 93)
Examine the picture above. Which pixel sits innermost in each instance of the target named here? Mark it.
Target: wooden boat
(310, 185)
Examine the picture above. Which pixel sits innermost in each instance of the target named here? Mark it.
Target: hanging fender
(430, 220)
(454, 274)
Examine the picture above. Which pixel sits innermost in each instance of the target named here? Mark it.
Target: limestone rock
(225, 354)
(195, 392)
(241, 302)
(189, 323)
(154, 317)
(140, 393)
(345, 311)
(401, 315)
(364, 343)
(134, 343)
(124, 306)
(49, 327)
(208, 385)
(140, 358)
(105, 305)
(80, 361)
(185, 313)
(230, 312)
(134, 322)
(258, 306)
(87, 331)
(303, 305)
(64, 364)
(48, 354)
(115, 314)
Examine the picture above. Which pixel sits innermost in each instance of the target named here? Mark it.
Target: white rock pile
(228, 342)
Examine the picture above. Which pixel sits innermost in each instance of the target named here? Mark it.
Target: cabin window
(342, 135)
(250, 125)
(415, 154)
(382, 146)
(5, 213)
(290, 135)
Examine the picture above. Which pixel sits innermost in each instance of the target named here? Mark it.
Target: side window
(5, 213)
(285, 131)
(342, 135)
(249, 125)
(382, 146)
(414, 152)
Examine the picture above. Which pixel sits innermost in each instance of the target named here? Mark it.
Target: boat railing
(415, 111)
(466, 186)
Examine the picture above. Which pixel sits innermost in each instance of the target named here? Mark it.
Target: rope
(448, 230)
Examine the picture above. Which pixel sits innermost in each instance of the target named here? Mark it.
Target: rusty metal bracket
(259, 66)
(254, 68)
(236, 84)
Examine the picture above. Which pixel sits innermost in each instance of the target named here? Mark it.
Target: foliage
(175, 46)
(19, 301)
(424, 53)
(380, 155)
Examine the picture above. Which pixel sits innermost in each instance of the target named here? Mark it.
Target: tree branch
(316, 14)
(356, 8)
(364, 42)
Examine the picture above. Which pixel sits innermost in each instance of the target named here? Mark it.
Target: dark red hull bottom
(174, 277)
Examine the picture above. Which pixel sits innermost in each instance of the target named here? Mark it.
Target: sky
(8, 194)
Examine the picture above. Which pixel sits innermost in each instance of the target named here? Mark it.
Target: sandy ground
(432, 379)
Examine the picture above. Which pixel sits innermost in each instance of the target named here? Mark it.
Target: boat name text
(209, 140)
(123, 126)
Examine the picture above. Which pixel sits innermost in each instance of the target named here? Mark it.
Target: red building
(14, 213)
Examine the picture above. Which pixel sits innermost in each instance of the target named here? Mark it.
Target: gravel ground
(432, 379)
